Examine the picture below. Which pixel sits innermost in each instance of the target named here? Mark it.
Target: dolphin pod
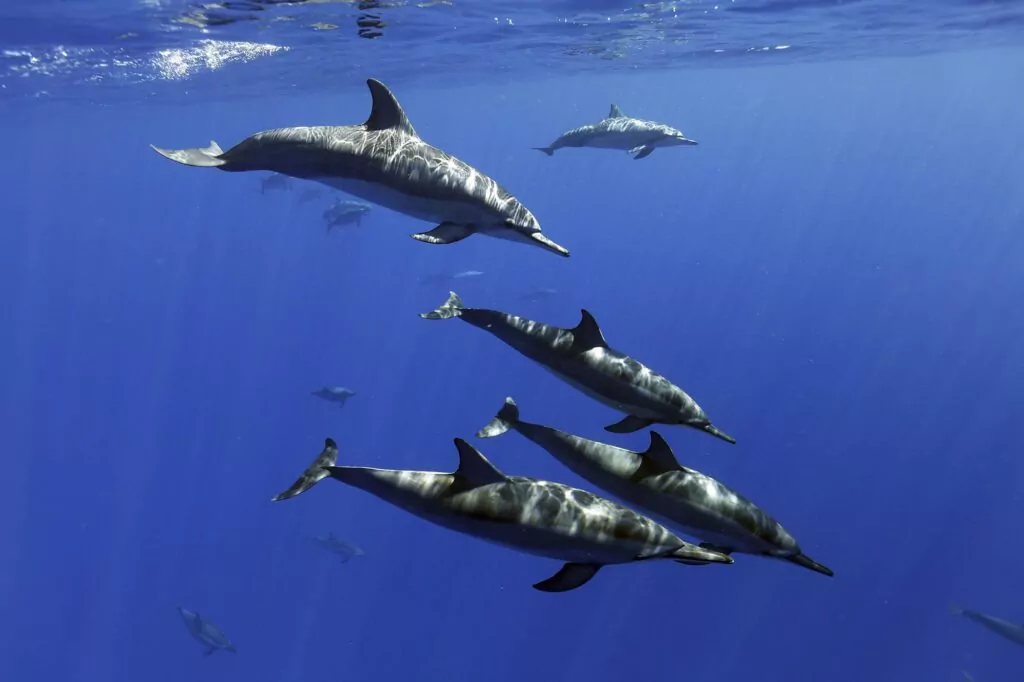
(552, 520)
(384, 161)
(656, 482)
(582, 358)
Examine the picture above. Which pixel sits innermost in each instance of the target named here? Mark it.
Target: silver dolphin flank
(384, 161)
(618, 131)
(582, 358)
(205, 632)
(654, 482)
(536, 517)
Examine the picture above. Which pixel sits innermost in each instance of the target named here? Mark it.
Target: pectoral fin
(569, 577)
(641, 151)
(628, 425)
(445, 233)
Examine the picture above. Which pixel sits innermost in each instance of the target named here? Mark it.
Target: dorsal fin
(386, 112)
(660, 454)
(615, 112)
(474, 469)
(587, 334)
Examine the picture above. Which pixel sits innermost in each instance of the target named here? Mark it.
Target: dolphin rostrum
(1011, 631)
(582, 358)
(334, 394)
(206, 633)
(386, 162)
(654, 482)
(534, 517)
(618, 131)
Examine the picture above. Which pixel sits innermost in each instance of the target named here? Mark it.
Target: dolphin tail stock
(210, 157)
(718, 433)
(453, 307)
(807, 562)
(550, 151)
(316, 472)
(506, 418)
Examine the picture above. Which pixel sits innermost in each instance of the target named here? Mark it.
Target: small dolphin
(206, 633)
(275, 181)
(384, 161)
(1011, 631)
(346, 212)
(967, 676)
(443, 279)
(335, 394)
(539, 294)
(345, 550)
(534, 517)
(654, 482)
(582, 358)
(619, 131)
(309, 195)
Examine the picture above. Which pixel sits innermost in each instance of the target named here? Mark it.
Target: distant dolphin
(206, 633)
(442, 279)
(532, 516)
(275, 181)
(582, 358)
(384, 161)
(619, 131)
(334, 394)
(1011, 631)
(346, 212)
(655, 483)
(345, 550)
(309, 195)
(539, 294)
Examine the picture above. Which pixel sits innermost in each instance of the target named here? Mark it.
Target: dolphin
(384, 161)
(618, 131)
(345, 212)
(582, 358)
(334, 394)
(206, 633)
(275, 181)
(308, 195)
(345, 550)
(444, 279)
(654, 482)
(1011, 631)
(536, 517)
(539, 294)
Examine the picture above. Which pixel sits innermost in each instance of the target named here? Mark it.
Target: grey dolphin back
(208, 157)
(316, 472)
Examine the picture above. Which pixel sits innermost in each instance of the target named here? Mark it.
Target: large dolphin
(655, 482)
(384, 161)
(582, 358)
(206, 633)
(618, 131)
(535, 517)
(1011, 631)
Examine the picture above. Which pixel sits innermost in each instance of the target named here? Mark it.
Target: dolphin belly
(415, 205)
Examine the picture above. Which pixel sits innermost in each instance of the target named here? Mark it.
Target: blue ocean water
(833, 273)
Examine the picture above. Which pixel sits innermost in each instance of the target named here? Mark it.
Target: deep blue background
(834, 274)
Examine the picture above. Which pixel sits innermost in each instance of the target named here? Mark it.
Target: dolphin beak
(688, 142)
(548, 244)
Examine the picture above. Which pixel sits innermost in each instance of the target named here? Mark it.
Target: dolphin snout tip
(688, 142)
(549, 245)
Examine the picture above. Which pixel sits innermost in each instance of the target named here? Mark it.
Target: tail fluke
(316, 472)
(507, 416)
(205, 158)
(718, 433)
(807, 562)
(451, 308)
(547, 150)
